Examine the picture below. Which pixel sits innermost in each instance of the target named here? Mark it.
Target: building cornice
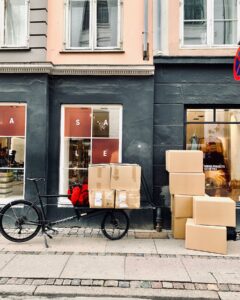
(83, 70)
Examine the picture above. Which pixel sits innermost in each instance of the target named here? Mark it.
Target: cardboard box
(216, 211)
(206, 238)
(178, 227)
(127, 199)
(99, 177)
(184, 161)
(182, 206)
(125, 177)
(192, 184)
(101, 198)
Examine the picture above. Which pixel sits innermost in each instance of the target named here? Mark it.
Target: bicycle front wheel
(20, 221)
(115, 224)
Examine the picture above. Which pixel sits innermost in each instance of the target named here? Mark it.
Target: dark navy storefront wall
(32, 90)
(181, 83)
(136, 97)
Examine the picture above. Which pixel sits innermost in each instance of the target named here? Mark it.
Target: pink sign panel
(77, 122)
(12, 120)
(105, 151)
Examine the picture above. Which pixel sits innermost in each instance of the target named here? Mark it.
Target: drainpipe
(145, 32)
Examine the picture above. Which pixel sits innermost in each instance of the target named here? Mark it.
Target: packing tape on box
(99, 172)
(134, 173)
(99, 185)
(115, 173)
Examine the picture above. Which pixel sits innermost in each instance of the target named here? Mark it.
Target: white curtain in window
(15, 33)
(79, 18)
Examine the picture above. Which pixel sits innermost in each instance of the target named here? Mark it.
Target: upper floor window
(93, 24)
(14, 23)
(210, 22)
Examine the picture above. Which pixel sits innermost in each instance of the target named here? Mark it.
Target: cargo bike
(21, 220)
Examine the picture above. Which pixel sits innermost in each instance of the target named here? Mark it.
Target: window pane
(105, 151)
(200, 115)
(228, 115)
(107, 23)
(221, 156)
(79, 153)
(79, 23)
(225, 9)
(195, 33)
(15, 23)
(195, 9)
(225, 32)
(77, 122)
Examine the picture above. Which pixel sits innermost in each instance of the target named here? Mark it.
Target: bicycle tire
(15, 213)
(111, 226)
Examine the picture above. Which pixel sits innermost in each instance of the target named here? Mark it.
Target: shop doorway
(216, 132)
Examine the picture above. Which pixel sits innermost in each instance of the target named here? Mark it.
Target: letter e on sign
(105, 153)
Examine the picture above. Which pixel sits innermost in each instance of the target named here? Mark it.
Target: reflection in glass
(195, 9)
(228, 115)
(80, 23)
(107, 23)
(221, 156)
(225, 32)
(195, 33)
(79, 153)
(225, 9)
(200, 115)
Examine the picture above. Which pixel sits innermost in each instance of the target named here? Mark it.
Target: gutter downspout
(145, 32)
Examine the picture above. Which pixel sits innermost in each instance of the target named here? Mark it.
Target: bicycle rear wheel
(20, 221)
(115, 224)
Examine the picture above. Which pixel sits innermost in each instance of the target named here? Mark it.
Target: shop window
(93, 24)
(217, 138)
(90, 134)
(14, 23)
(210, 22)
(12, 152)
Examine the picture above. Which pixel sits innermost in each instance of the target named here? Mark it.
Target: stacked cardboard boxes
(206, 231)
(186, 179)
(114, 186)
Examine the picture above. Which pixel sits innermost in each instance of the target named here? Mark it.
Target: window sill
(214, 47)
(15, 49)
(92, 51)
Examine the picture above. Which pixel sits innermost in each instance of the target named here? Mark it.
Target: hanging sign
(77, 122)
(105, 151)
(12, 120)
(236, 66)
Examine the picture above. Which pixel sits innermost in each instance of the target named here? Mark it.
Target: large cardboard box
(206, 238)
(217, 211)
(192, 184)
(127, 199)
(182, 206)
(125, 177)
(180, 161)
(101, 198)
(178, 227)
(99, 177)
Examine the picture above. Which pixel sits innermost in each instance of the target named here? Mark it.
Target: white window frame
(2, 22)
(4, 201)
(92, 29)
(63, 201)
(210, 28)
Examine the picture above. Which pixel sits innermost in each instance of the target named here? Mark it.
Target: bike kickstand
(45, 240)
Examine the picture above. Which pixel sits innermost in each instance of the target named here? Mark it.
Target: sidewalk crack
(155, 246)
(124, 267)
(64, 266)
(8, 262)
(190, 279)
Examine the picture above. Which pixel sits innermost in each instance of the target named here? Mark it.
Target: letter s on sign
(78, 122)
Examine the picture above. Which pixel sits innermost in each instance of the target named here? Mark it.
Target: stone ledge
(83, 70)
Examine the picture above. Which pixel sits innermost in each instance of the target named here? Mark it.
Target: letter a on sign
(11, 121)
(236, 66)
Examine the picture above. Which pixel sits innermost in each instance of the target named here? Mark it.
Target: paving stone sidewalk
(80, 265)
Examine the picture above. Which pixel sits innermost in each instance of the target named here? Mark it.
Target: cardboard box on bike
(101, 198)
(127, 199)
(99, 177)
(125, 177)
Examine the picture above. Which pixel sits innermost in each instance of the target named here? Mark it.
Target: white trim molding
(83, 70)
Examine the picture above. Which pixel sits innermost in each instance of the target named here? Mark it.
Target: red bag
(79, 195)
(76, 191)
